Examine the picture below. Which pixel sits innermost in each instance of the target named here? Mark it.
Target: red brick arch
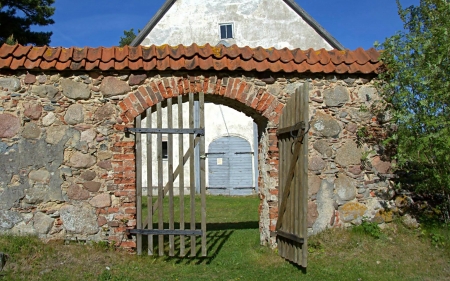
(238, 89)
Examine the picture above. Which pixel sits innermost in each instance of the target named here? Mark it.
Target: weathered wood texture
(292, 134)
(168, 215)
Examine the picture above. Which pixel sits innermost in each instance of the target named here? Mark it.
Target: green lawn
(234, 253)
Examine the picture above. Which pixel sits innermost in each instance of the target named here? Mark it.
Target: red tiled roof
(189, 58)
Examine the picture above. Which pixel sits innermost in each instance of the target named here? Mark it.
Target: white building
(231, 136)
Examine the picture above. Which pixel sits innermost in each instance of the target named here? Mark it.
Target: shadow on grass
(217, 235)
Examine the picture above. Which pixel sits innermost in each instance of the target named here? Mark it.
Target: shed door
(230, 167)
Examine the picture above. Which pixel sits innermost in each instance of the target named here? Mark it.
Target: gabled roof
(192, 57)
(291, 3)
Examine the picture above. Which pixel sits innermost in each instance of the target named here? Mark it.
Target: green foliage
(129, 36)
(368, 228)
(18, 16)
(417, 89)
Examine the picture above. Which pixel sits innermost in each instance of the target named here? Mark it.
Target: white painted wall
(235, 124)
(266, 23)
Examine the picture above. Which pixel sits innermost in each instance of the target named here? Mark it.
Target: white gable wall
(265, 23)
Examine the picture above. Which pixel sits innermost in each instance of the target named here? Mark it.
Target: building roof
(291, 3)
(192, 57)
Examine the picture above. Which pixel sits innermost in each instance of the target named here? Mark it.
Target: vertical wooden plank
(290, 211)
(296, 187)
(203, 173)
(192, 172)
(149, 182)
(170, 175)
(160, 180)
(181, 174)
(282, 180)
(304, 174)
(138, 185)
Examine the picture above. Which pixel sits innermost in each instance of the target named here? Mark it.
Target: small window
(226, 31)
(164, 150)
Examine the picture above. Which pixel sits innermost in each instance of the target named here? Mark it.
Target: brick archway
(241, 94)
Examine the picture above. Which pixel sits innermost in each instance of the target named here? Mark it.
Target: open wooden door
(291, 228)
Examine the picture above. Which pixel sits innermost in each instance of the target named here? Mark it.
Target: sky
(354, 23)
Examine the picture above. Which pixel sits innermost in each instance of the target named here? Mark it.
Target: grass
(234, 253)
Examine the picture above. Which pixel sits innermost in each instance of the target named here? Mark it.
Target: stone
(274, 89)
(136, 79)
(380, 166)
(88, 136)
(351, 127)
(323, 148)
(112, 86)
(42, 78)
(55, 134)
(325, 206)
(410, 222)
(105, 112)
(336, 97)
(360, 114)
(80, 160)
(101, 221)
(368, 93)
(75, 90)
(92, 186)
(383, 216)
(352, 211)
(42, 223)
(313, 214)
(316, 164)
(105, 165)
(402, 201)
(32, 111)
(41, 175)
(49, 119)
(104, 155)
(348, 154)
(74, 114)
(79, 219)
(314, 183)
(356, 169)
(10, 83)
(29, 79)
(345, 188)
(31, 131)
(8, 219)
(88, 175)
(76, 192)
(101, 201)
(9, 125)
(44, 91)
(291, 88)
(326, 125)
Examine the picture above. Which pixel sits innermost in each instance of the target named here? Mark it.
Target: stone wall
(68, 169)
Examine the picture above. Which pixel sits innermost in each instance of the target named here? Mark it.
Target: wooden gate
(168, 214)
(291, 228)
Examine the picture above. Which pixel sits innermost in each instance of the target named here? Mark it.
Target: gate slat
(192, 173)
(202, 173)
(181, 177)
(304, 176)
(170, 175)
(149, 182)
(138, 185)
(160, 179)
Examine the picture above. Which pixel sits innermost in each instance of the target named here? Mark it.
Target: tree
(128, 38)
(17, 17)
(417, 89)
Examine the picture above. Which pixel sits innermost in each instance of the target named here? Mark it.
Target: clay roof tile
(134, 53)
(66, 54)
(260, 54)
(36, 52)
(16, 63)
(79, 54)
(107, 55)
(94, 54)
(30, 64)
(51, 54)
(286, 55)
(6, 62)
(21, 51)
(121, 53)
(6, 50)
